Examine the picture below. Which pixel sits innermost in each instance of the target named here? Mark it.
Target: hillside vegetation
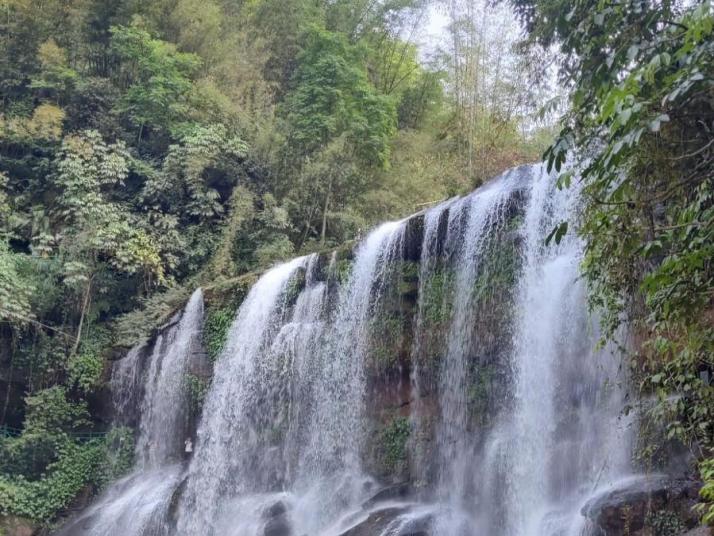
(147, 148)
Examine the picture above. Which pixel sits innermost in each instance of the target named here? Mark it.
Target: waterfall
(234, 454)
(164, 405)
(562, 436)
(331, 473)
(286, 373)
(472, 224)
(434, 219)
(138, 504)
(126, 387)
(556, 433)
(510, 422)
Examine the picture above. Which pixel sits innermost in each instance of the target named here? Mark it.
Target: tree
(333, 110)
(98, 233)
(15, 290)
(157, 78)
(56, 79)
(491, 86)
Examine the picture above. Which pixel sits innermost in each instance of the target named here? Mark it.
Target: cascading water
(513, 416)
(430, 250)
(164, 405)
(234, 454)
(472, 223)
(138, 504)
(126, 386)
(561, 437)
(557, 435)
(330, 473)
(286, 373)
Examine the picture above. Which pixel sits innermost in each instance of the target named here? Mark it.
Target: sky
(435, 27)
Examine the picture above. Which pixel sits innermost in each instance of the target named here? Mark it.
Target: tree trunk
(85, 306)
(323, 231)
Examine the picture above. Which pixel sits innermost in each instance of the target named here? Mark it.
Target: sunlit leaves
(88, 173)
(45, 124)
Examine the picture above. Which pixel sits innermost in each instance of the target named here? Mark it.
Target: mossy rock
(229, 292)
(389, 448)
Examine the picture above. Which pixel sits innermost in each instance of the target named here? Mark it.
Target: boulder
(276, 520)
(274, 510)
(629, 508)
(277, 526)
(399, 491)
(377, 521)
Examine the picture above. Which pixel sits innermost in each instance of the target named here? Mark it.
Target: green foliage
(339, 126)
(49, 419)
(135, 326)
(279, 249)
(93, 463)
(332, 98)
(438, 295)
(196, 389)
(191, 166)
(158, 79)
(706, 470)
(88, 172)
(262, 235)
(42, 499)
(387, 332)
(15, 290)
(665, 523)
(56, 78)
(393, 444)
(343, 269)
(84, 371)
(46, 466)
(215, 330)
(50, 411)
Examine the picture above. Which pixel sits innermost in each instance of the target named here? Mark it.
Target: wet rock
(376, 522)
(413, 237)
(277, 526)
(628, 509)
(274, 510)
(277, 522)
(399, 491)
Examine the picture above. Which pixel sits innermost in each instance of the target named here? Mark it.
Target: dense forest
(148, 148)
